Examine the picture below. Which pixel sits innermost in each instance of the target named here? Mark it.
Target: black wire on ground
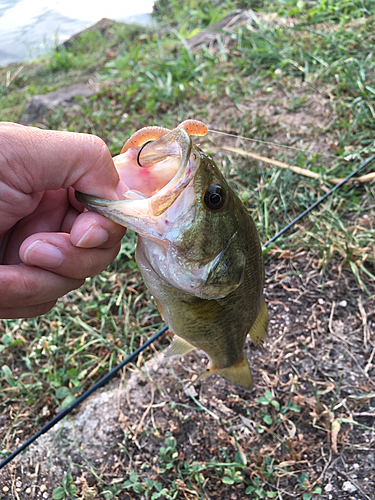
(79, 400)
(280, 233)
(112, 373)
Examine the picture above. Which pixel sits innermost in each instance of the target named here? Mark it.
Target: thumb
(37, 160)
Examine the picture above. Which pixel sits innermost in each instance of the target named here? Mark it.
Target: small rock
(5, 489)
(328, 487)
(45, 411)
(349, 487)
(191, 391)
(28, 490)
(228, 23)
(343, 303)
(65, 96)
(102, 26)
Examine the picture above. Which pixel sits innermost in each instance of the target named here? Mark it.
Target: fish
(198, 248)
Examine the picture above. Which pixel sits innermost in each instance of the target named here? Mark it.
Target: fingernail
(43, 254)
(93, 237)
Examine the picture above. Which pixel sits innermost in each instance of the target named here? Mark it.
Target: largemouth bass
(198, 249)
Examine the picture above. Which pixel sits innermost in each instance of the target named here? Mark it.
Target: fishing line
(152, 339)
(270, 143)
(318, 201)
(86, 394)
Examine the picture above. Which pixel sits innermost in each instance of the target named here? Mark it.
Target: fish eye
(214, 197)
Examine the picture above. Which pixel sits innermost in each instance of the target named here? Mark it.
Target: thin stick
(277, 163)
(298, 170)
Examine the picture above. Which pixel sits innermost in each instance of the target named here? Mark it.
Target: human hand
(47, 245)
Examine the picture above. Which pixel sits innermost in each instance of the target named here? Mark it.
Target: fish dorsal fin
(239, 373)
(178, 348)
(258, 331)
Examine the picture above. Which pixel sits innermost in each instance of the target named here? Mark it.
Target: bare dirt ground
(319, 356)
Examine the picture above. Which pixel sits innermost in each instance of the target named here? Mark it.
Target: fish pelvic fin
(160, 307)
(178, 348)
(258, 331)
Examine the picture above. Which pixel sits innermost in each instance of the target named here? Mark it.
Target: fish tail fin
(258, 331)
(239, 373)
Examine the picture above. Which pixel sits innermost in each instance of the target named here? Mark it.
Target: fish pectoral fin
(226, 272)
(239, 373)
(178, 348)
(258, 331)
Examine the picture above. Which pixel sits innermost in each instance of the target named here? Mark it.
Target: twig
(366, 332)
(278, 489)
(326, 465)
(277, 163)
(140, 425)
(331, 319)
(191, 395)
(10, 77)
(369, 362)
(14, 490)
(101, 363)
(360, 367)
(298, 170)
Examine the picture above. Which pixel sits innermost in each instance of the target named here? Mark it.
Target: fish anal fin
(202, 375)
(178, 348)
(239, 374)
(258, 331)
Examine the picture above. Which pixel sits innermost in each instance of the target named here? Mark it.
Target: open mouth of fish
(155, 172)
(161, 203)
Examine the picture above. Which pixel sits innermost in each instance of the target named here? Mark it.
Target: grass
(320, 50)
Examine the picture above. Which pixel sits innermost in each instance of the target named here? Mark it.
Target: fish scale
(198, 251)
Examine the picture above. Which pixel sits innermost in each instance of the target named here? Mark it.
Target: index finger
(36, 160)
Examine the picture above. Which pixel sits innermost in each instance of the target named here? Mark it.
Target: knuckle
(20, 289)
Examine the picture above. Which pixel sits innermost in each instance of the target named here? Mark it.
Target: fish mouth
(156, 174)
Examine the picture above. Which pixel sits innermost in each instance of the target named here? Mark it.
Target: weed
(168, 454)
(318, 11)
(273, 413)
(67, 491)
(192, 15)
